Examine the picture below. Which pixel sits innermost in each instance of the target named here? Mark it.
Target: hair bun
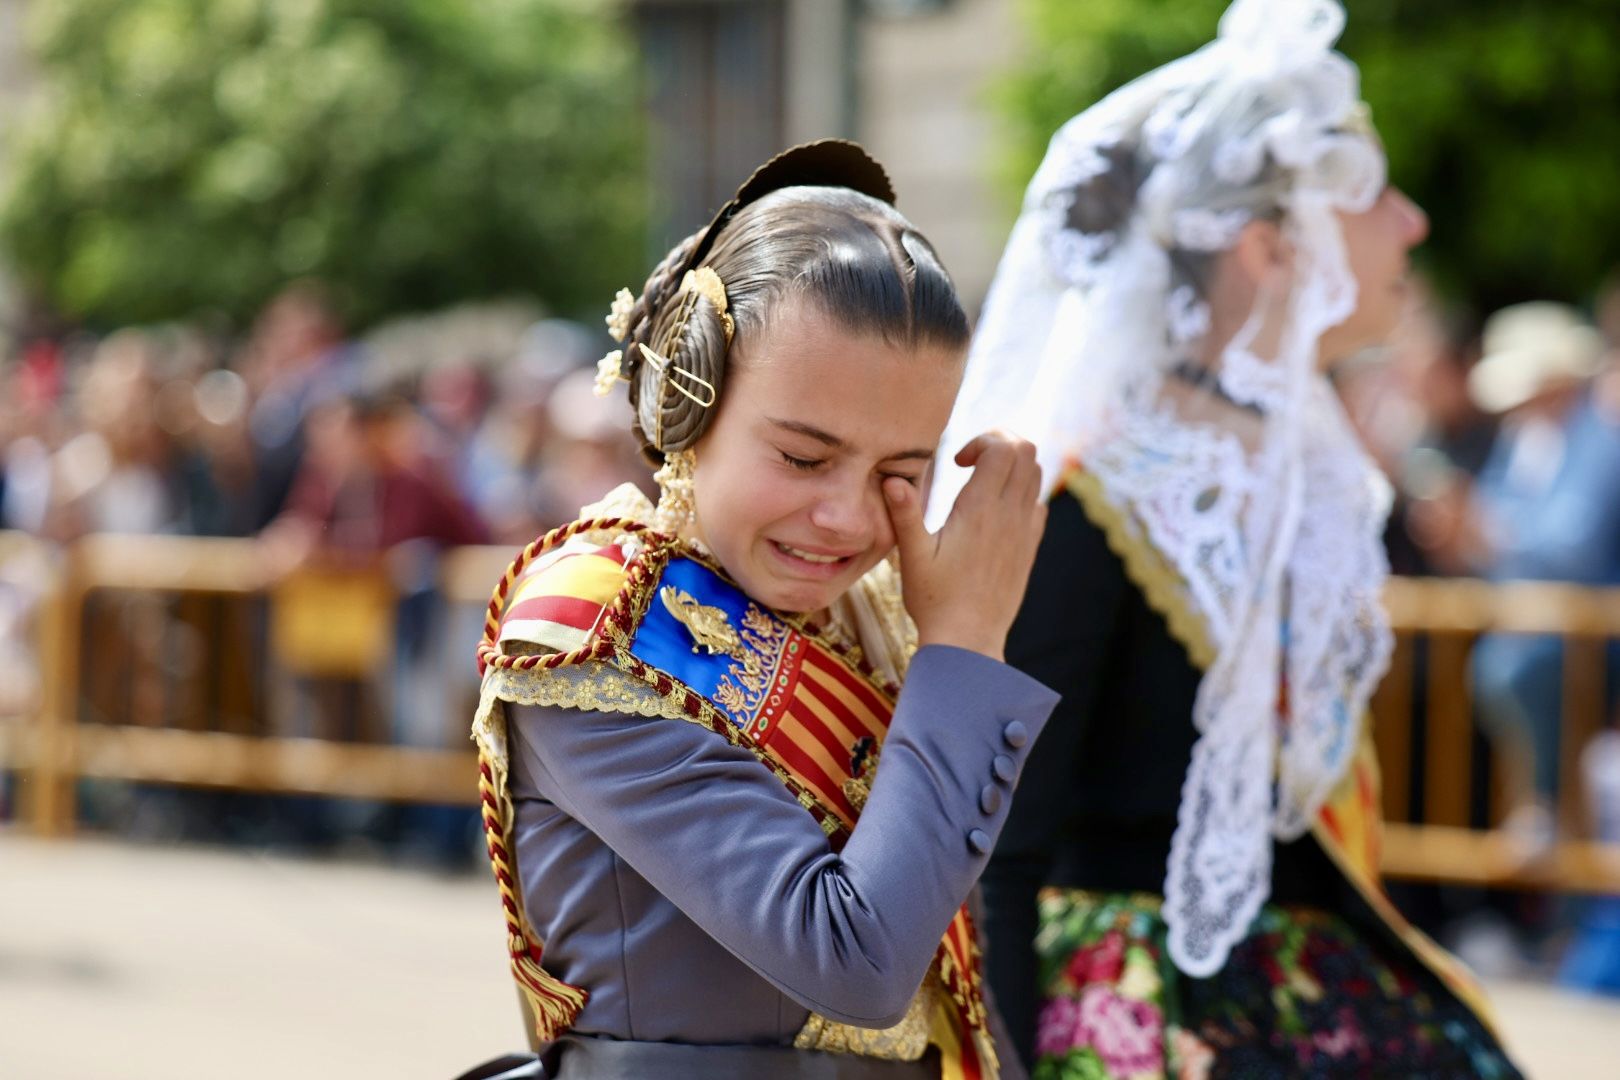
(680, 365)
(1104, 200)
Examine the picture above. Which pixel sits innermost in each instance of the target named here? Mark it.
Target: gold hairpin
(674, 374)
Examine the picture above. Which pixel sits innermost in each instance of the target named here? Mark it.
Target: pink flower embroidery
(1342, 1042)
(1059, 1027)
(1127, 1035)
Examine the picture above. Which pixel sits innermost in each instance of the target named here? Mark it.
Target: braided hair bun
(675, 355)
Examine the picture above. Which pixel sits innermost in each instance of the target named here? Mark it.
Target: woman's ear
(1262, 252)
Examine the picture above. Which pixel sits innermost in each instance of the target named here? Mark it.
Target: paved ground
(134, 963)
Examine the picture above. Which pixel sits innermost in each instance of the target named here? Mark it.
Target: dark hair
(1101, 205)
(853, 256)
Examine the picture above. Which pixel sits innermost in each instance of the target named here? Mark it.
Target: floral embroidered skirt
(1302, 995)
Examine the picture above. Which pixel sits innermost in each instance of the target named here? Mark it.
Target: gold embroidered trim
(863, 770)
(743, 688)
(590, 686)
(906, 1041)
(710, 627)
(1160, 584)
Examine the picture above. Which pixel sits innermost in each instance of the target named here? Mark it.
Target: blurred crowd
(1502, 442)
(475, 425)
(1501, 437)
(360, 459)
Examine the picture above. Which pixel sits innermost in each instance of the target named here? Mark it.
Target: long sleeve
(849, 935)
(1061, 637)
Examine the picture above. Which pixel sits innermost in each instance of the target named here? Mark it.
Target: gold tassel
(554, 1003)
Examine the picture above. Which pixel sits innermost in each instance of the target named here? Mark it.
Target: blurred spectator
(149, 430)
(33, 423)
(1438, 474)
(588, 453)
(296, 357)
(369, 493)
(455, 397)
(366, 487)
(1412, 408)
(505, 463)
(117, 472)
(111, 458)
(1548, 510)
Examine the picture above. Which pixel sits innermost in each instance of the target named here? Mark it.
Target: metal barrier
(206, 726)
(1437, 838)
(179, 740)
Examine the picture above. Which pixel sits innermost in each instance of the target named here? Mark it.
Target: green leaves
(195, 154)
(1501, 119)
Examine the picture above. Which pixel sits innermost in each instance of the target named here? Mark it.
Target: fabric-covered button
(1004, 768)
(1015, 733)
(979, 841)
(990, 798)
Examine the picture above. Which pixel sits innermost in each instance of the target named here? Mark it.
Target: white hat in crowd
(1529, 349)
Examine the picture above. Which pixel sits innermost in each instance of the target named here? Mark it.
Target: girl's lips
(810, 564)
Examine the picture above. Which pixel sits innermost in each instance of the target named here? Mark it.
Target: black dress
(1095, 812)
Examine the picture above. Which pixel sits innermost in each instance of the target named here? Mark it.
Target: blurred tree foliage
(196, 154)
(1501, 117)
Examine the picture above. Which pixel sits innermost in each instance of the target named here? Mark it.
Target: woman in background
(1195, 254)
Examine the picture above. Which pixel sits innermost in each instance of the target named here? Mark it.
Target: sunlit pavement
(120, 962)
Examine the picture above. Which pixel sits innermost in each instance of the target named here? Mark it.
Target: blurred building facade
(732, 81)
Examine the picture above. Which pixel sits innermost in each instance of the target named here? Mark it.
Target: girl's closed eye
(804, 464)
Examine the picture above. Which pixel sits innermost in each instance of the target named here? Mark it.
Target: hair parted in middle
(850, 254)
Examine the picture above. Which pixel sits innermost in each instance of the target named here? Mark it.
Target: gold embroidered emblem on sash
(709, 626)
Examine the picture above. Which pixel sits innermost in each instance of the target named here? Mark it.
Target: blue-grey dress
(675, 878)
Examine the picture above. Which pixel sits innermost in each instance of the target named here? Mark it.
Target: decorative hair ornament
(677, 500)
(667, 422)
(618, 317)
(706, 283)
(703, 393)
(702, 282)
(609, 370)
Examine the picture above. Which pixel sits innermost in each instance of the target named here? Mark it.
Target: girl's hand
(963, 585)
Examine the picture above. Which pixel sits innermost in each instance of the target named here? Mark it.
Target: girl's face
(813, 418)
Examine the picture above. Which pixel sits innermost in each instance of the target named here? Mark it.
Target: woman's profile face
(789, 476)
(1376, 242)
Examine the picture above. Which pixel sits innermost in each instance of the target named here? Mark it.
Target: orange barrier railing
(124, 711)
(173, 740)
(1432, 749)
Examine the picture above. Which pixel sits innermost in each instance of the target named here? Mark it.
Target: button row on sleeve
(1005, 770)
